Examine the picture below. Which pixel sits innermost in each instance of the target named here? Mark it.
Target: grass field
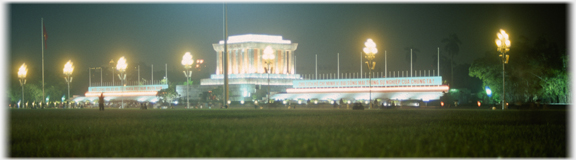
(287, 133)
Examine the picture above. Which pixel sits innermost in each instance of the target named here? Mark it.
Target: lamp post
(268, 60)
(370, 50)
(22, 77)
(187, 62)
(503, 44)
(112, 66)
(68, 69)
(121, 66)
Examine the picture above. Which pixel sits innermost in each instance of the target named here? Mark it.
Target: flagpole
(360, 64)
(225, 57)
(438, 61)
(42, 40)
(338, 76)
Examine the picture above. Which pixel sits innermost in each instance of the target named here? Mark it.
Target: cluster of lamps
(503, 43)
(187, 61)
(370, 50)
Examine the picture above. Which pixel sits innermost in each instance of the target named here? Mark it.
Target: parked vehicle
(411, 103)
(386, 104)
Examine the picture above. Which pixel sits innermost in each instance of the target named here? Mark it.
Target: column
(250, 54)
(219, 62)
(292, 62)
(284, 67)
(259, 60)
(236, 66)
(282, 60)
(235, 61)
(254, 62)
(229, 61)
(243, 61)
(246, 61)
(240, 61)
(277, 63)
(237, 53)
(288, 64)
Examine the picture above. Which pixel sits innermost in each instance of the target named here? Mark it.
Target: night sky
(158, 33)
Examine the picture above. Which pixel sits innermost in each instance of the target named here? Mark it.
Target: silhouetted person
(335, 105)
(101, 102)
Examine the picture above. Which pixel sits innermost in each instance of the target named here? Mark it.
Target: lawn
(287, 133)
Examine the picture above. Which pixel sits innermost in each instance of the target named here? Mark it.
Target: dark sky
(156, 33)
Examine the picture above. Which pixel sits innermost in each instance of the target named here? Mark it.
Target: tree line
(536, 71)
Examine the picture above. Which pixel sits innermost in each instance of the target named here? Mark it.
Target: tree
(188, 83)
(556, 87)
(488, 70)
(536, 71)
(164, 81)
(55, 92)
(217, 93)
(167, 95)
(462, 72)
(452, 47)
(32, 93)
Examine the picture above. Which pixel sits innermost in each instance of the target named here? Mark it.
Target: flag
(45, 35)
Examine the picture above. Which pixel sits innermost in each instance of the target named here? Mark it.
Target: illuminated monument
(245, 55)
(247, 76)
(246, 65)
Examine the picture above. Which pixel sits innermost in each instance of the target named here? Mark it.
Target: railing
(357, 75)
(128, 83)
(256, 81)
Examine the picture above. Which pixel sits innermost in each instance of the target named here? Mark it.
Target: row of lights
(68, 70)
(23, 70)
(370, 49)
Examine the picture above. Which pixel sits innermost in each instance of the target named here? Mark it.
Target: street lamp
(121, 66)
(187, 62)
(488, 91)
(370, 51)
(268, 60)
(503, 44)
(22, 77)
(199, 63)
(68, 69)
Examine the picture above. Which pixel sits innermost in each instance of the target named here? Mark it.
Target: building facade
(246, 73)
(245, 54)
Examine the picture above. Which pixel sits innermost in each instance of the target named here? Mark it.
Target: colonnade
(249, 60)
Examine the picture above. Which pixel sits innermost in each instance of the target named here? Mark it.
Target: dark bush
(357, 106)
